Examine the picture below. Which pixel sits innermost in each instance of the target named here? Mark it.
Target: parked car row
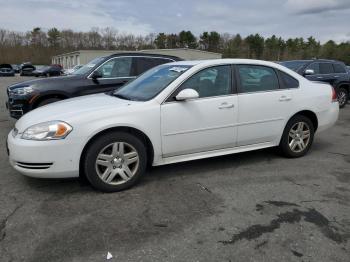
(329, 71)
(173, 112)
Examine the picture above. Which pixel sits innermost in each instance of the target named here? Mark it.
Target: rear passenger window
(338, 68)
(254, 78)
(288, 81)
(326, 68)
(145, 63)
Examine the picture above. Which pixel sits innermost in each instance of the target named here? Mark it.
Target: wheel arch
(309, 114)
(145, 139)
(41, 98)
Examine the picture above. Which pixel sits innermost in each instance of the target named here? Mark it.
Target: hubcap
(342, 98)
(117, 163)
(299, 137)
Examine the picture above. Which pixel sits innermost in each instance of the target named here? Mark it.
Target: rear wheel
(115, 161)
(48, 101)
(297, 137)
(343, 97)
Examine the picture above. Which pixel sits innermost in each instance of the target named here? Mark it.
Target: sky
(323, 19)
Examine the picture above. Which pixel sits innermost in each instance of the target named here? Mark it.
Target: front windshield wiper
(120, 96)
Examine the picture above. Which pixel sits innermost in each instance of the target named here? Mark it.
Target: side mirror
(187, 94)
(309, 72)
(96, 74)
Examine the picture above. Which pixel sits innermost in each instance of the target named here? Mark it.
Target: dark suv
(330, 71)
(102, 74)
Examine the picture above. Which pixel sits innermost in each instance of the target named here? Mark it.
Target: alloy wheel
(117, 163)
(342, 98)
(299, 137)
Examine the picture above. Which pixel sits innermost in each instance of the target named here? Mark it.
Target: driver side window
(213, 81)
(117, 67)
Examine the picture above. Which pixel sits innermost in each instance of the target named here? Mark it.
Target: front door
(203, 124)
(115, 73)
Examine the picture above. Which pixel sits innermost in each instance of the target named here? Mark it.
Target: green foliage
(39, 46)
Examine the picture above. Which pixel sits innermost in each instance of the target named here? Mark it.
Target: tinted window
(288, 81)
(326, 68)
(116, 67)
(338, 68)
(315, 67)
(293, 65)
(213, 81)
(257, 78)
(142, 64)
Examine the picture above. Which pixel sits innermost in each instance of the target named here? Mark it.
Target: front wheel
(343, 97)
(297, 137)
(115, 161)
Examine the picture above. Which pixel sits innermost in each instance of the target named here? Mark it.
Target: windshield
(86, 68)
(151, 83)
(294, 65)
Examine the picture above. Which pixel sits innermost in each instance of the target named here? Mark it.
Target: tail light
(334, 95)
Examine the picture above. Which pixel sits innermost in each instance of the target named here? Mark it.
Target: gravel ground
(254, 206)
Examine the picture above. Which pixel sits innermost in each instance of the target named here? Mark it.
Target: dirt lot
(254, 206)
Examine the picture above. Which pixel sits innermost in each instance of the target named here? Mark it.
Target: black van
(102, 74)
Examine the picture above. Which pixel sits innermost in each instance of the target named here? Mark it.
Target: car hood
(37, 83)
(75, 109)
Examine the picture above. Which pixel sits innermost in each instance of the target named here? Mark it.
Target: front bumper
(44, 159)
(18, 105)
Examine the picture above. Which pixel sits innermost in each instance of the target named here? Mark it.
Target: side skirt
(213, 153)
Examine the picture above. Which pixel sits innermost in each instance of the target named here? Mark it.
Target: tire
(48, 101)
(343, 97)
(297, 149)
(106, 166)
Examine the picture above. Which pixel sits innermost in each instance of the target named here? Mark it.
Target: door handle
(226, 105)
(319, 77)
(285, 98)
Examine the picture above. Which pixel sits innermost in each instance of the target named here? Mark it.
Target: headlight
(47, 131)
(22, 90)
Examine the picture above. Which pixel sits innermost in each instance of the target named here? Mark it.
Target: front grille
(34, 165)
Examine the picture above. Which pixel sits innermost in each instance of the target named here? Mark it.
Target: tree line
(38, 45)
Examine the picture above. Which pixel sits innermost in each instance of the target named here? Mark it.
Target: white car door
(202, 124)
(265, 104)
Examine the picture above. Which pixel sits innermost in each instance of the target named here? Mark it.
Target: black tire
(48, 101)
(98, 145)
(343, 97)
(284, 146)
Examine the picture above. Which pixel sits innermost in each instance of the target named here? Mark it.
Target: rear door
(263, 104)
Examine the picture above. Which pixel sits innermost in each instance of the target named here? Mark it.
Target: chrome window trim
(123, 77)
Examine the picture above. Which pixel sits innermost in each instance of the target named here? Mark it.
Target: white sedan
(174, 112)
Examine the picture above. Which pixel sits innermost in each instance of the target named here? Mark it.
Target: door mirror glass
(187, 94)
(96, 74)
(309, 72)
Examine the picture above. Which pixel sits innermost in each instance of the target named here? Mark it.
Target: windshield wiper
(120, 96)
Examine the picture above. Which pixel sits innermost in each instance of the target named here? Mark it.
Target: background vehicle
(17, 68)
(72, 70)
(100, 75)
(52, 70)
(6, 70)
(329, 71)
(27, 70)
(175, 112)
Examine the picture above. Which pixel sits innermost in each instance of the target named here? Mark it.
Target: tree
(161, 41)
(187, 39)
(53, 37)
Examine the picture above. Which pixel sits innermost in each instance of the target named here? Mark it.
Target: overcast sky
(323, 19)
